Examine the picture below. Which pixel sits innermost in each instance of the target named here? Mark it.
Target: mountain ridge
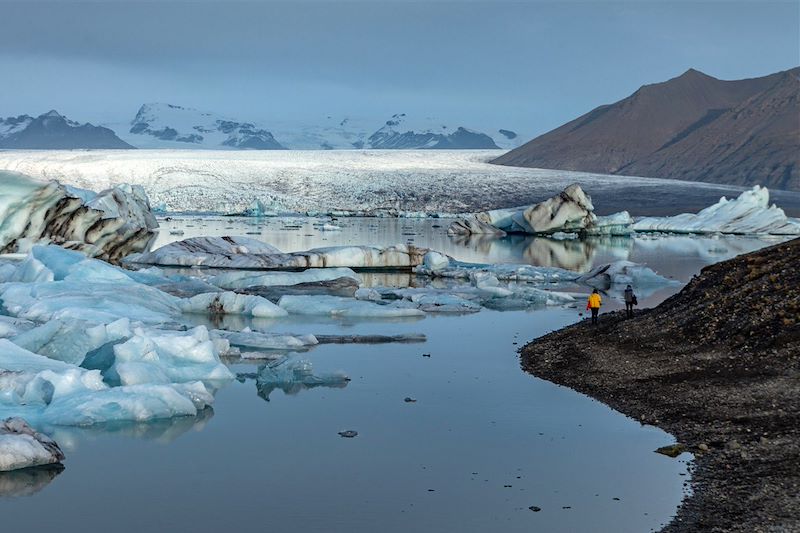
(53, 131)
(664, 130)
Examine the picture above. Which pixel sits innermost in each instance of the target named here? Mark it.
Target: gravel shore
(717, 367)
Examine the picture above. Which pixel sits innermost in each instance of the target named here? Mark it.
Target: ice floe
(109, 224)
(336, 306)
(245, 279)
(293, 376)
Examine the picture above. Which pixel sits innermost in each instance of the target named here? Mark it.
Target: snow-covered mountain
(170, 126)
(398, 132)
(52, 131)
(401, 133)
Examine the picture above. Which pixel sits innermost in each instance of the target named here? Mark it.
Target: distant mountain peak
(157, 123)
(54, 131)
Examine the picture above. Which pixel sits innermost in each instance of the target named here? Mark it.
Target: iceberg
(231, 303)
(623, 273)
(23, 447)
(108, 225)
(135, 403)
(568, 212)
(294, 376)
(484, 276)
(154, 356)
(70, 340)
(750, 213)
(52, 392)
(243, 253)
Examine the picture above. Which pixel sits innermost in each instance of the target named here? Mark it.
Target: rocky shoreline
(717, 366)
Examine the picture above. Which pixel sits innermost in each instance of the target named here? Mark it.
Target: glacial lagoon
(477, 444)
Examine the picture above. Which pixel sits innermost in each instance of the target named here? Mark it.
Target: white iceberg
(750, 213)
(70, 340)
(154, 356)
(109, 225)
(22, 447)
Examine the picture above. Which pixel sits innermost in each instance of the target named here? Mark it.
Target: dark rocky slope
(693, 127)
(718, 366)
(52, 131)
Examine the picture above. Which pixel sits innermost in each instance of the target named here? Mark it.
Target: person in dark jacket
(630, 301)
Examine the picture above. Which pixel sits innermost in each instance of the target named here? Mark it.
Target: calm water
(482, 443)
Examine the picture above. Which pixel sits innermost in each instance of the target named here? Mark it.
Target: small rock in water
(534, 508)
(408, 399)
(673, 450)
(349, 434)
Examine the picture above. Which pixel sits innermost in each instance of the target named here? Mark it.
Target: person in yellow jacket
(594, 304)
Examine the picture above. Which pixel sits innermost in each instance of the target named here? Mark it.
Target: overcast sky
(528, 66)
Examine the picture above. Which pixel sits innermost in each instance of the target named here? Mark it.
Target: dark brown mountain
(693, 127)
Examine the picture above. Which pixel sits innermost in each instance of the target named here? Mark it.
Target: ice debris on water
(293, 376)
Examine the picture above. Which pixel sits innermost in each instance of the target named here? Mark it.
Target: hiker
(594, 304)
(630, 301)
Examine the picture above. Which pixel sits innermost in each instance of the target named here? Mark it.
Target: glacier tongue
(109, 225)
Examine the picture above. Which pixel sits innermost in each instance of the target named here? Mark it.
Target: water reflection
(292, 377)
(164, 431)
(28, 481)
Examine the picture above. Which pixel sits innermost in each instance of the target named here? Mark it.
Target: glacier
(371, 182)
(108, 225)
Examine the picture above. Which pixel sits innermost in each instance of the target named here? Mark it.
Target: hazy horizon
(527, 66)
